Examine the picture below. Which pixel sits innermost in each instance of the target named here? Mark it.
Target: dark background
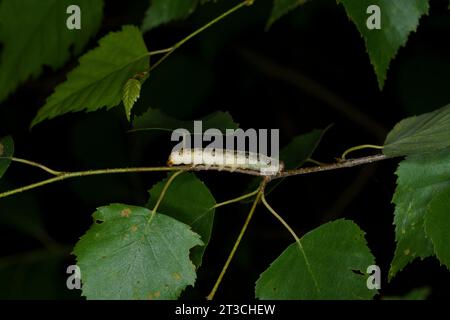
(229, 67)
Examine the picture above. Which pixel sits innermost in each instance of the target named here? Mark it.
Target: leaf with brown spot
(125, 213)
(144, 261)
(176, 276)
(188, 200)
(420, 178)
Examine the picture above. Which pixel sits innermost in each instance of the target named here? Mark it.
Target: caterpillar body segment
(224, 159)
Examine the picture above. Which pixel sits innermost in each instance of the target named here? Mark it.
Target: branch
(238, 240)
(163, 193)
(243, 197)
(70, 175)
(332, 166)
(170, 50)
(37, 165)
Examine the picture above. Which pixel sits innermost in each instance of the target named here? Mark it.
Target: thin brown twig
(332, 166)
(70, 175)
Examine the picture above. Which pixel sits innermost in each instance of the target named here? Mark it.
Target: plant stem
(332, 166)
(164, 190)
(364, 146)
(243, 197)
(169, 51)
(238, 241)
(297, 239)
(37, 165)
(315, 162)
(160, 51)
(289, 173)
(283, 222)
(69, 175)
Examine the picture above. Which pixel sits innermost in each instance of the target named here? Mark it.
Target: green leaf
(323, 269)
(398, 19)
(293, 155)
(219, 120)
(437, 224)
(188, 200)
(124, 256)
(99, 79)
(420, 179)
(154, 119)
(419, 134)
(34, 35)
(164, 11)
(131, 92)
(301, 148)
(6, 152)
(282, 7)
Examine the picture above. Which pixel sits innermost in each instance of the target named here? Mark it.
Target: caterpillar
(225, 159)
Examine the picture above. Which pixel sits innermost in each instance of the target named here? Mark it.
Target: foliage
(43, 41)
(130, 254)
(399, 19)
(99, 79)
(178, 204)
(421, 178)
(164, 11)
(154, 119)
(281, 7)
(301, 148)
(131, 92)
(155, 250)
(333, 253)
(425, 133)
